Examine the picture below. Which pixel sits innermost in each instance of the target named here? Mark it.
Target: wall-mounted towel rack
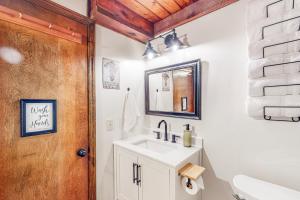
(285, 63)
(292, 119)
(271, 4)
(283, 21)
(273, 45)
(273, 86)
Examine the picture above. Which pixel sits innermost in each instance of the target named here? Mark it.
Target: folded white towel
(130, 112)
(284, 44)
(271, 27)
(255, 106)
(259, 87)
(292, 100)
(256, 86)
(257, 9)
(297, 3)
(255, 69)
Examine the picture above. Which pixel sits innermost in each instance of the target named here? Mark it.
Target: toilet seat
(254, 189)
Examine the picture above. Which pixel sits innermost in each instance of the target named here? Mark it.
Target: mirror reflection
(172, 91)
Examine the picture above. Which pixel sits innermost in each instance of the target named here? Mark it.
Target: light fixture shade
(149, 51)
(172, 41)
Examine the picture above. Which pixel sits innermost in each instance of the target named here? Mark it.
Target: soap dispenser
(187, 136)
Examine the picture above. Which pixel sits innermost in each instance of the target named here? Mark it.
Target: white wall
(234, 143)
(79, 6)
(109, 103)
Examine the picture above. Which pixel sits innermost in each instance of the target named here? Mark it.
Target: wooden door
(155, 180)
(35, 65)
(126, 187)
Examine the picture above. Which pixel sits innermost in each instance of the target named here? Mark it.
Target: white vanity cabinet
(147, 169)
(140, 178)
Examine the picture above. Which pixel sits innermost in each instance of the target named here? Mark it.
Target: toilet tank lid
(261, 190)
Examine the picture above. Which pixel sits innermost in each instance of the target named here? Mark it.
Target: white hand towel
(130, 112)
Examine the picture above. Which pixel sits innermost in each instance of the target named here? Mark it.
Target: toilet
(253, 189)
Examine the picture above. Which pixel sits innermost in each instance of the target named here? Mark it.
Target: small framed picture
(184, 103)
(38, 116)
(110, 74)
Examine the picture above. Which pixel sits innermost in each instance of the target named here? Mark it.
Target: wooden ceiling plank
(170, 5)
(141, 10)
(189, 13)
(184, 3)
(122, 14)
(155, 7)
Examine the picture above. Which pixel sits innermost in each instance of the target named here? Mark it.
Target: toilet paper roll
(194, 187)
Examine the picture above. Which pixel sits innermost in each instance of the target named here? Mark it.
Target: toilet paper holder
(191, 172)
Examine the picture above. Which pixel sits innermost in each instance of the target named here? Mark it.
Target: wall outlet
(109, 125)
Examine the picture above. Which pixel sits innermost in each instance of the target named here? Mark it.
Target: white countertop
(173, 158)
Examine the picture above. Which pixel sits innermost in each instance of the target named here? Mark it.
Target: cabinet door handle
(138, 175)
(134, 178)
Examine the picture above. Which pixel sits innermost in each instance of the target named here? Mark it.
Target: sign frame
(23, 114)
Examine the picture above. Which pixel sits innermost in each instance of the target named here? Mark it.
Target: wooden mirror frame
(196, 64)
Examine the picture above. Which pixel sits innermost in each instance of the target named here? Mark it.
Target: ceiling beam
(116, 16)
(189, 13)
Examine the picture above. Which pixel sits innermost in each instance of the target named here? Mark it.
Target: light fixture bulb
(175, 47)
(150, 55)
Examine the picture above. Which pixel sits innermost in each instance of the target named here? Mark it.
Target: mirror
(174, 90)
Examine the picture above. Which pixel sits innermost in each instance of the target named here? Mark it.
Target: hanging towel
(130, 112)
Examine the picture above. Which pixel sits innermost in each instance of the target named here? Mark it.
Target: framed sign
(38, 116)
(110, 74)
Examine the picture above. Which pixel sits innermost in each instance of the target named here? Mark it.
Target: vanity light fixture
(171, 41)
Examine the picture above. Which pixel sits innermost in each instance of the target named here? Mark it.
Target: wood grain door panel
(43, 167)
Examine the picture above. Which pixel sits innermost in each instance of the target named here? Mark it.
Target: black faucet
(166, 129)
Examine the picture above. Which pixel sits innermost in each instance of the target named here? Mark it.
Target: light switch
(109, 125)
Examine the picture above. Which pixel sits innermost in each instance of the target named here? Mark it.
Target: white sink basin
(155, 146)
(173, 155)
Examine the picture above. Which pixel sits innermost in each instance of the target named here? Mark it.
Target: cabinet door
(125, 188)
(155, 180)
